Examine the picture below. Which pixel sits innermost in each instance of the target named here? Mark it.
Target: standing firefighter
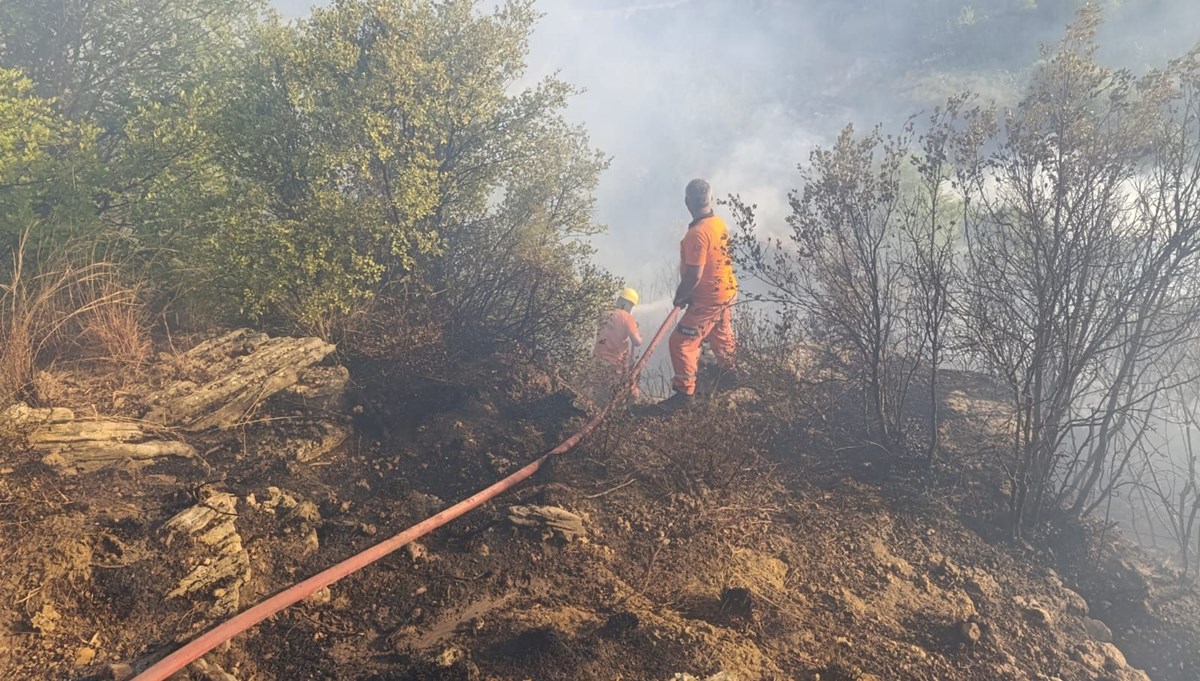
(615, 343)
(707, 288)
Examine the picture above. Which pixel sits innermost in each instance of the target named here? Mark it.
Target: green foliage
(40, 155)
(27, 126)
(288, 173)
(390, 128)
(523, 267)
(103, 60)
(133, 73)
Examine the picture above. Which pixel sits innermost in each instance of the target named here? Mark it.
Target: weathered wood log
(85, 431)
(246, 369)
(22, 416)
(93, 456)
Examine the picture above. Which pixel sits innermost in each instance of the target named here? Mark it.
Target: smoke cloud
(739, 91)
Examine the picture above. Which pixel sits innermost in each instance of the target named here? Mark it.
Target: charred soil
(726, 539)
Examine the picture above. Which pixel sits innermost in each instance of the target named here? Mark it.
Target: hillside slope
(726, 540)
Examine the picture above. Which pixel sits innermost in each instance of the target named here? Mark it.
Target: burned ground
(722, 540)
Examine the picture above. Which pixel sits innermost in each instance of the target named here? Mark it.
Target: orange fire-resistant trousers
(712, 322)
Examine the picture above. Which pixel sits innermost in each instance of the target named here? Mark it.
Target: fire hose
(239, 623)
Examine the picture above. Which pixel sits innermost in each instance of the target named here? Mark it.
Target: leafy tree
(38, 153)
(931, 228)
(381, 149)
(1080, 266)
(524, 267)
(136, 73)
(287, 173)
(104, 60)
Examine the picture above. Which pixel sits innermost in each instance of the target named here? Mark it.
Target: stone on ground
(245, 368)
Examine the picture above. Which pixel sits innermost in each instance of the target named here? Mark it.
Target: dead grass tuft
(118, 328)
(68, 301)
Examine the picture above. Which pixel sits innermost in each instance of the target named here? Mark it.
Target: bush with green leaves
(286, 173)
(41, 156)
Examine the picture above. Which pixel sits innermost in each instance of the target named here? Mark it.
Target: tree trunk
(934, 432)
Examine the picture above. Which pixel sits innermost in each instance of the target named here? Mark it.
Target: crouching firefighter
(708, 289)
(615, 346)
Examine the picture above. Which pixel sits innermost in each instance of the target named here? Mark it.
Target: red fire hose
(297, 592)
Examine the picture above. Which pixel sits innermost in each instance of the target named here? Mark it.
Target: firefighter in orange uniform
(615, 344)
(707, 288)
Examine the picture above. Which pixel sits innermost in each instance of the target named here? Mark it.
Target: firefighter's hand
(683, 301)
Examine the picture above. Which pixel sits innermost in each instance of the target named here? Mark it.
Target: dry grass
(712, 466)
(64, 302)
(117, 327)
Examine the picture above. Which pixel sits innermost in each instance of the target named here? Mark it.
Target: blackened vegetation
(1054, 246)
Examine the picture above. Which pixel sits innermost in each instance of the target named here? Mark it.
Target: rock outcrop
(322, 389)
(81, 444)
(551, 519)
(222, 565)
(241, 370)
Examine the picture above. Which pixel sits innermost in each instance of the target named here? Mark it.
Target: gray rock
(1034, 611)
(332, 436)
(116, 671)
(323, 388)
(243, 368)
(556, 520)
(1097, 630)
(208, 670)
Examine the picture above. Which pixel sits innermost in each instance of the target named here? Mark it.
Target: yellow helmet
(630, 295)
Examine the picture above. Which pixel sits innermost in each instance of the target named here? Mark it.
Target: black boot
(677, 402)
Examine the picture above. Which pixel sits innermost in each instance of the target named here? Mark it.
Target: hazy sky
(739, 91)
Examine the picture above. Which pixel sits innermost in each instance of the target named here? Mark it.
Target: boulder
(116, 671)
(322, 388)
(207, 670)
(330, 437)
(1097, 631)
(1105, 660)
(1034, 611)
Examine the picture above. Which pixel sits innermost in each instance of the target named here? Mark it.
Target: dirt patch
(715, 541)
